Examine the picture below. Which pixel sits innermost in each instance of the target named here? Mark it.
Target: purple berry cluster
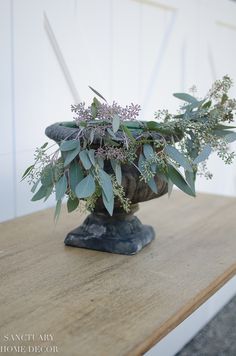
(106, 112)
(111, 152)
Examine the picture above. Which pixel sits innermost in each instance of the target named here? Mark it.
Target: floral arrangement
(175, 147)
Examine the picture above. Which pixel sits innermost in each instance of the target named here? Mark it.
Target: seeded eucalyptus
(88, 164)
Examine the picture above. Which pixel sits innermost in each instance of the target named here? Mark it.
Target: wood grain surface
(96, 303)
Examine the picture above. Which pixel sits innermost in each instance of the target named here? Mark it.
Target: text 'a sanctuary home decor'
(111, 161)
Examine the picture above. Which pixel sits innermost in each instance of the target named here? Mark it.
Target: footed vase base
(121, 234)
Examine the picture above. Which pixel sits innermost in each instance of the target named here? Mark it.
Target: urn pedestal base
(123, 234)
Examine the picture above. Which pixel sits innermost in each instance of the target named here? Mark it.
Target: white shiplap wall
(130, 50)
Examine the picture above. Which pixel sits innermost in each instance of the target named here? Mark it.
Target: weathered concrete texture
(218, 338)
(125, 234)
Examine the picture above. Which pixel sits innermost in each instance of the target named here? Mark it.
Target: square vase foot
(121, 234)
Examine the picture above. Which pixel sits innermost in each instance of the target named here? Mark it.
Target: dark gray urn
(123, 232)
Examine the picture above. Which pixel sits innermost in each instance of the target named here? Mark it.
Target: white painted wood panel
(215, 58)
(137, 51)
(126, 53)
(7, 202)
(7, 132)
(5, 77)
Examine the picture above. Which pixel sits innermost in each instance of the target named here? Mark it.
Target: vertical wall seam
(160, 56)
(140, 52)
(111, 69)
(183, 65)
(13, 116)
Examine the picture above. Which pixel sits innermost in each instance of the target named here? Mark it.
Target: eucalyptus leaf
(47, 176)
(61, 187)
(178, 157)
(115, 122)
(86, 187)
(72, 204)
(27, 171)
(222, 133)
(106, 184)
(230, 137)
(41, 193)
(134, 124)
(128, 132)
(91, 135)
(190, 178)
(96, 102)
(44, 145)
(69, 145)
(186, 97)
(91, 154)
(224, 98)
(111, 133)
(109, 204)
(110, 142)
(152, 185)
(203, 155)
(70, 155)
(154, 167)
(97, 93)
(84, 157)
(117, 170)
(224, 127)
(141, 162)
(48, 193)
(161, 128)
(75, 175)
(151, 125)
(57, 210)
(207, 105)
(94, 110)
(148, 150)
(35, 185)
(176, 177)
(100, 161)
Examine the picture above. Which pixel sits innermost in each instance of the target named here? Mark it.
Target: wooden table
(94, 303)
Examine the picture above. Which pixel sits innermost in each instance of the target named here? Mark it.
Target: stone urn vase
(123, 232)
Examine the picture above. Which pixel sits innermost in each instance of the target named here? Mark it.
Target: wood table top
(96, 303)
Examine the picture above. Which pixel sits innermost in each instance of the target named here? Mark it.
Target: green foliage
(178, 157)
(115, 123)
(148, 151)
(86, 187)
(84, 157)
(152, 184)
(109, 204)
(97, 93)
(176, 177)
(174, 147)
(69, 145)
(61, 187)
(203, 155)
(41, 193)
(27, 171)
(75, 175)
(47, 175)
(72, 204)
(57, 210)
(186, 97)
(117, 170)
(106, 184)
(70, 155)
